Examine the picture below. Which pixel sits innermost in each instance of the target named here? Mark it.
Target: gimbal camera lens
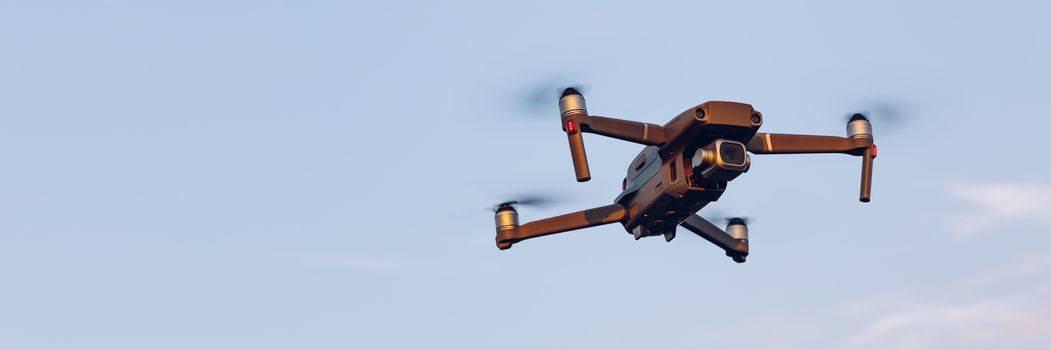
(732, 153)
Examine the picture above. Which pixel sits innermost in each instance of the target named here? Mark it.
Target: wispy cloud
(997, 203)
(1034, 264)
(981, 325)
(1017, 317)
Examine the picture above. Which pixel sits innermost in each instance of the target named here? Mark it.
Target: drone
(685, 165)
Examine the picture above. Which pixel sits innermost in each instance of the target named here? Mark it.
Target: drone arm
(576, 120)
(716, 236)
(631, 131)
(786, 144)
(568, 222)
(763, 143)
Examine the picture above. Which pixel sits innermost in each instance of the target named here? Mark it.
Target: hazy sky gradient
(314, 175)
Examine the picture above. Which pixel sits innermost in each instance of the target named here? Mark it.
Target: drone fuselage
(663, 186)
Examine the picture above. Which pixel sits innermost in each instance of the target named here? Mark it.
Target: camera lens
(732, 153)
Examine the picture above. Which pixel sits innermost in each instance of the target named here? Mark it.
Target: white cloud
(984, 325)
(999, 203)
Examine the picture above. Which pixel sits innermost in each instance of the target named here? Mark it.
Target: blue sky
(314, 174)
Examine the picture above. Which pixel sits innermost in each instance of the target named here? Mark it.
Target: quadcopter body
(685, 165)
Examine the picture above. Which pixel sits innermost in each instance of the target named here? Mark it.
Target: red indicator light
(873, 151)
(571, 127)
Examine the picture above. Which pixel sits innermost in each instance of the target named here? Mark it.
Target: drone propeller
(738, 220)
(541, 98)
(719, 216)
(885, 116)
(534, 200)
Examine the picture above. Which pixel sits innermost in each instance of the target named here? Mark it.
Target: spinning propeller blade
(718, 216)
(532, 200)
(541, 100)
(885, 116)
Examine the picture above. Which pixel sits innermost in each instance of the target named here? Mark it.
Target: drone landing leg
(734, 248)
(562, 223)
